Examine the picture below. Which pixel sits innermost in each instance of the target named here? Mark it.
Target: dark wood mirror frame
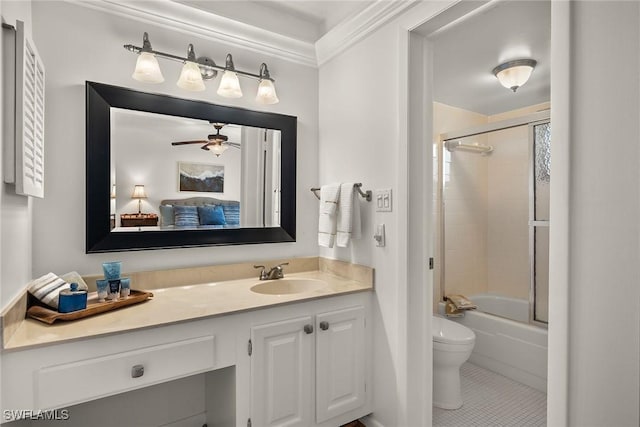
(99, 100)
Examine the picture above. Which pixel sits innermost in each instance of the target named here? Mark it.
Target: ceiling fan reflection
(216, 143)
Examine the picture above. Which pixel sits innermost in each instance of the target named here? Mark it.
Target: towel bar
(358, 186)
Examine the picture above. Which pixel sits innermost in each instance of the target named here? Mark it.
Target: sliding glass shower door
(540, 177)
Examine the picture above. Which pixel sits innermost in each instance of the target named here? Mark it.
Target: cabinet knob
(324, 325)
(137, 371)
(308, 329)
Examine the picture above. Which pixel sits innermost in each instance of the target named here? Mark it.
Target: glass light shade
(138, 192)
(147, 69)
(514, 77)
(267, 92)
(218, 149)
(229, 85)
(190, 78)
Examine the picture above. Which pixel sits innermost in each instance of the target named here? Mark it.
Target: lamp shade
(229, 85)
(191, 78)
(138, 192)
(514, 74)
(218, 149)
(267, 92)
(147, 69)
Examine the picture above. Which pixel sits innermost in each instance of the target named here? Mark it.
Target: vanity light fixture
(190, 77)
(266, 89)
(513, 74)
(229, 83)
(196, 71)
(147, 67)
(139, 193)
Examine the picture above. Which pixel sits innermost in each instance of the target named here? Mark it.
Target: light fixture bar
(208, 65)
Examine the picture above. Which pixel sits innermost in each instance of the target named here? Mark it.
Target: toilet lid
(449, 332)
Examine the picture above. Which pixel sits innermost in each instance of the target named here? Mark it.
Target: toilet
(452, 346)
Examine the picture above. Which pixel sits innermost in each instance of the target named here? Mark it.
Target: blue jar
(72, 299)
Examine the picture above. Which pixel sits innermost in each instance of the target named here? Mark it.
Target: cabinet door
(282, 373)
(340, 362)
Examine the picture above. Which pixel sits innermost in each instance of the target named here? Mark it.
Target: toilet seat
(448, 332)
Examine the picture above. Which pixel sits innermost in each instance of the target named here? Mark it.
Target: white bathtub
(511, 348)
(510, 308)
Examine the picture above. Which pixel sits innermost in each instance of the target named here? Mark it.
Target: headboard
(231, 208)
(200, 201)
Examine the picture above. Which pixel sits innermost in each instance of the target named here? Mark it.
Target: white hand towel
(348, 215)
(329, 195)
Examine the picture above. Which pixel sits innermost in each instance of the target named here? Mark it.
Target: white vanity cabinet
(72, 373)
(282, 372)
(309, 370)
(309, 366)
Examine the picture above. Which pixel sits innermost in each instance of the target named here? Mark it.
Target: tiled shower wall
(487, 201)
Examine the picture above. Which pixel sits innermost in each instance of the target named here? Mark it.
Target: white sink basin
(288, 286)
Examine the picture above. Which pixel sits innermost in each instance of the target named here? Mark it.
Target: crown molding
(352, 30)
(209, 26)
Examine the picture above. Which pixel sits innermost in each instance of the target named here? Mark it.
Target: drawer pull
(308, 329)
(137, 371)
(324, 325)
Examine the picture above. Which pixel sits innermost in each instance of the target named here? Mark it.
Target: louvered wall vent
(23, 112)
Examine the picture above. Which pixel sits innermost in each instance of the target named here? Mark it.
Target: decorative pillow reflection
(211, 215)
(166, 215)
(186, 216)
(232, 214)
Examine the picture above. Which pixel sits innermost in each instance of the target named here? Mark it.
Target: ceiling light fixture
(218, 148)
(196, 71)
(513, 74)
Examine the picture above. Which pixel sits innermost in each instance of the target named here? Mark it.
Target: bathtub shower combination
(493, 240)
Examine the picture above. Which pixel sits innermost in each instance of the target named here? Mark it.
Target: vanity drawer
(84, 380)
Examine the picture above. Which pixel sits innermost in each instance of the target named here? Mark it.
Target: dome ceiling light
(513, 74)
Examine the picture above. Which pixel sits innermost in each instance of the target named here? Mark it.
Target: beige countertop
(179, 304)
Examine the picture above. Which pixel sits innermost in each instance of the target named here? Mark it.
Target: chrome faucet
(276, 272)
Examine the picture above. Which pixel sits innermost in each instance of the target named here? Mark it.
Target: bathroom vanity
(295, 359)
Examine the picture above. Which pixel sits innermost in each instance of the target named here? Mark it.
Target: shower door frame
(525, 120)
(533, 224)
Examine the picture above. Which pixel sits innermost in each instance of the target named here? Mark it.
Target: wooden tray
(94, 307)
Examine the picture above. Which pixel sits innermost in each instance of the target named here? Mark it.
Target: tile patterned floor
(492, 400)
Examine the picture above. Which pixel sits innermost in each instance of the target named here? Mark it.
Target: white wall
(79, 44)
(364, 138)
(604, 267)
(358, 143)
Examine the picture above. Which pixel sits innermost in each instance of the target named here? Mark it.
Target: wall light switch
(383, 200)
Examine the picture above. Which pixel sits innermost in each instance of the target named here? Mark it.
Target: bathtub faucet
(276, 272)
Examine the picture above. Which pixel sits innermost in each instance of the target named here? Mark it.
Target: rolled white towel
(47, 288)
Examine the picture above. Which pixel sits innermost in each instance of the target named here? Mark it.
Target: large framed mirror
(167, 172)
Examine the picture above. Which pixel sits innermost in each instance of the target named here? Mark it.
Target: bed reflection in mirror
(196, 174)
